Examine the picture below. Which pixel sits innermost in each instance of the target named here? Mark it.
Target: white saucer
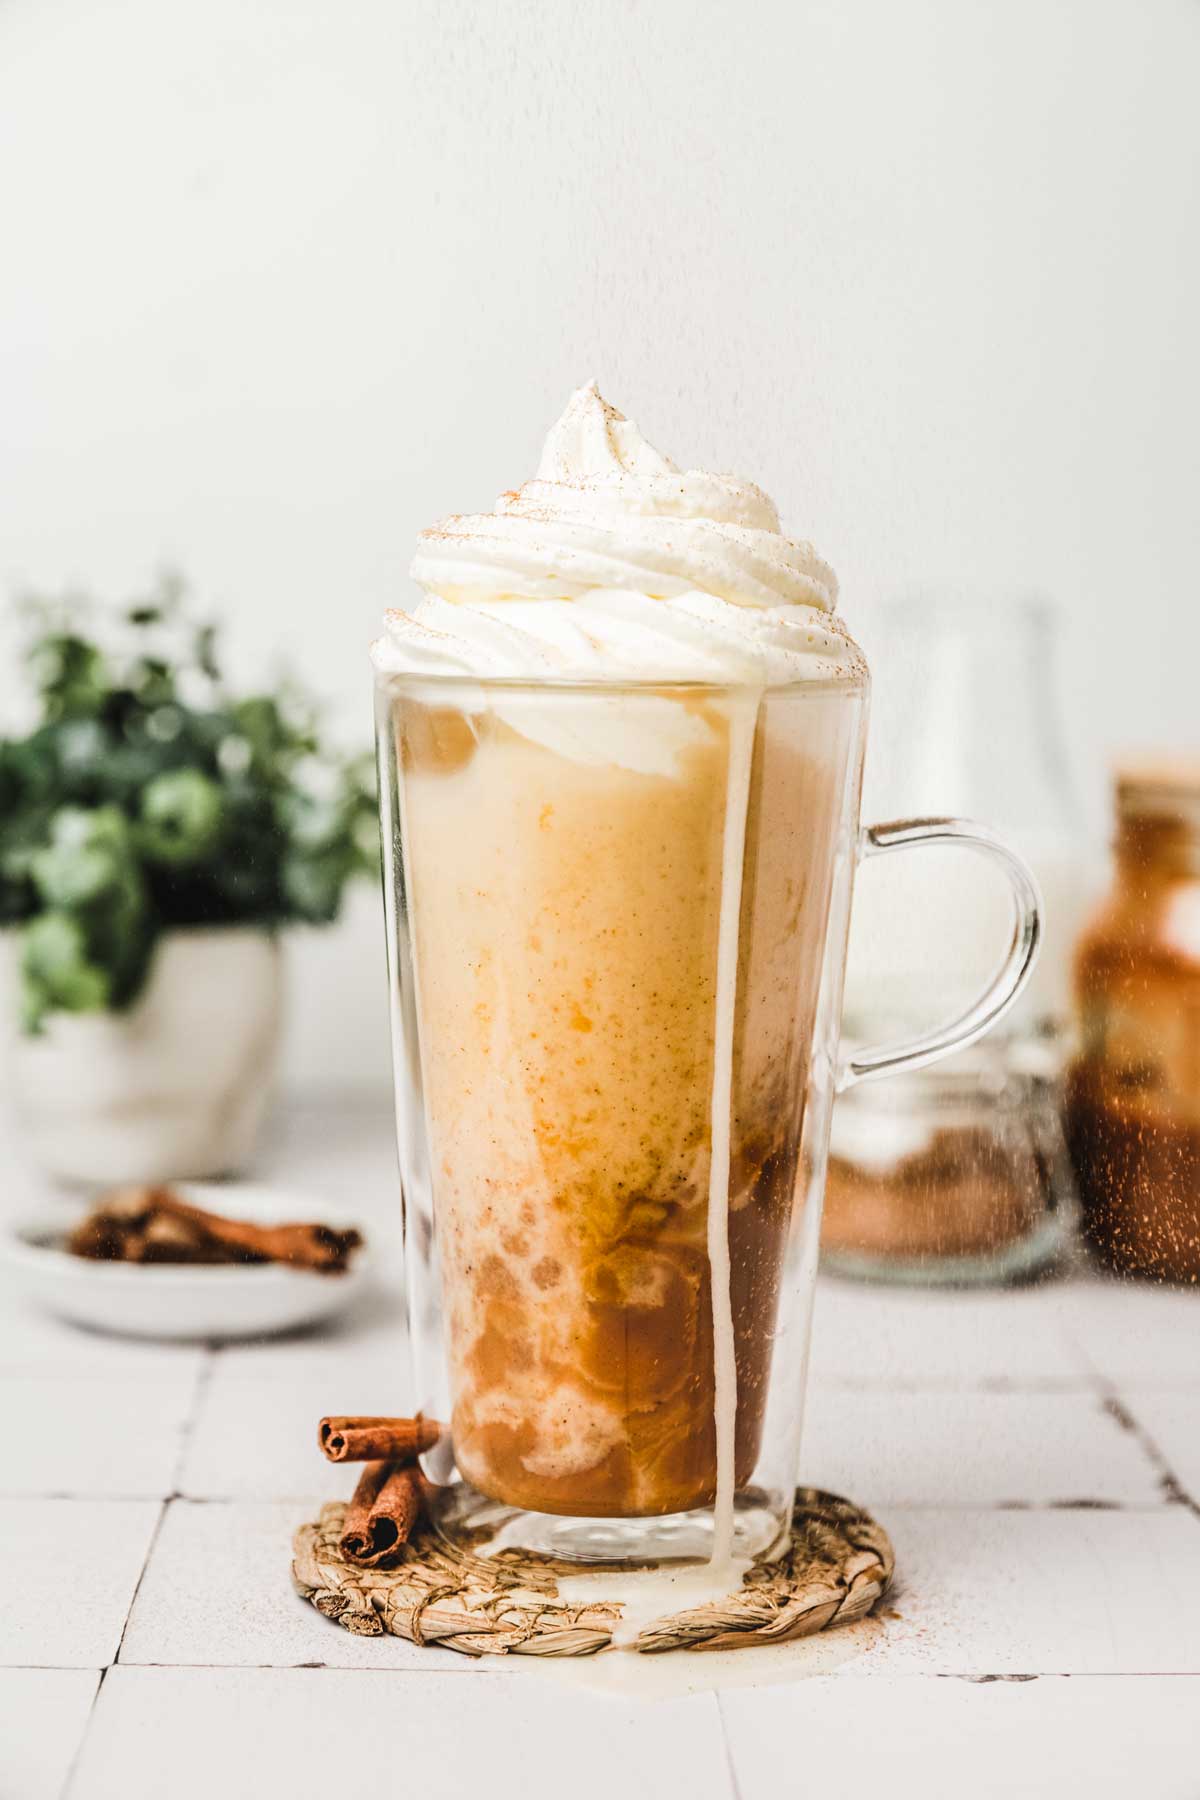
(164, 1300)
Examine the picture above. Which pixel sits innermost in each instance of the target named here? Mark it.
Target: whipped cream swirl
(614, 564)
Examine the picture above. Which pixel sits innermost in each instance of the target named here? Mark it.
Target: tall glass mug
(617, 923)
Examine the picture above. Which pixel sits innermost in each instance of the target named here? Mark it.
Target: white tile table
(1035, 1454)
(45, 1713)
(68, 1572)
(247, 1615)
(256, 1438)
(258, 1734)
(974, 1449)
(120, 1436)
(1109, 1739)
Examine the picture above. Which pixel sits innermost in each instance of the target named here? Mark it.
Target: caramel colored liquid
(566, 914)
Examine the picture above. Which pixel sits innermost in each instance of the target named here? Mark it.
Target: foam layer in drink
(566, 918)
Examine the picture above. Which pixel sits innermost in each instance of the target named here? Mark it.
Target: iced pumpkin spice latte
(617, 731)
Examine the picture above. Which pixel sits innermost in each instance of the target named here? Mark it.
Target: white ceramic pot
(174, 1087)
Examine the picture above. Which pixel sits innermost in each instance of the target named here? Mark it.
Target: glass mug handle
(1005, 986)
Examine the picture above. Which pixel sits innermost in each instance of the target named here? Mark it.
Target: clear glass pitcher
(616, 921)
(960, 1175)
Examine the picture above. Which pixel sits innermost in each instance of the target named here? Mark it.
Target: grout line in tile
(67, 1668)
(204, 1375)
(1088, 1371)
(488, 1665)
(1083, 1383)
(1175, 1493)
(1098, 1385)
(983, 1678)
(69, 1777)
(1080, 1504)
(1134, 1508)
(730, 1766)
(88, 1498)
(137, 1586)
(497, 1664)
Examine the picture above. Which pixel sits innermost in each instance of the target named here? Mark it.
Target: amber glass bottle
(1133, 1091)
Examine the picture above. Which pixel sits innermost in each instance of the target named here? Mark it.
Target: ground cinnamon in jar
(964, 1194)
(1133, 1090)
(952, 1174)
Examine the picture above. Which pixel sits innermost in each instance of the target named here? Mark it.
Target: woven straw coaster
(836, 1567)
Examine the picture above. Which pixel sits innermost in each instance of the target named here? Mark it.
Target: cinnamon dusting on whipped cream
(614, 564)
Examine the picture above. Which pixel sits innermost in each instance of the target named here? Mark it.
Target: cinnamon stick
(155, 1224)
(385, 1507)
(365, 1438)
(308, 1246)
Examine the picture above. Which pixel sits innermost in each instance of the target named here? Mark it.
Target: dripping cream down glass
(616, 985)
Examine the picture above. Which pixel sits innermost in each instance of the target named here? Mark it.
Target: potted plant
(157, 830)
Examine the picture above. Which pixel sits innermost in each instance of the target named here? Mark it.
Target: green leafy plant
(149, 796)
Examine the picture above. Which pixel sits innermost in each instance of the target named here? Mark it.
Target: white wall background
(282, 281)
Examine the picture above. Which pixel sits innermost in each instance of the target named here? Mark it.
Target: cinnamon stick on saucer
(365, 1438)
(157, 1225)
(385, 1507)
(304, 1246)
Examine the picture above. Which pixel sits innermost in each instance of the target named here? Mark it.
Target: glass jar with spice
(953, 1178)
(959, 1174)
(1133, 1090)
